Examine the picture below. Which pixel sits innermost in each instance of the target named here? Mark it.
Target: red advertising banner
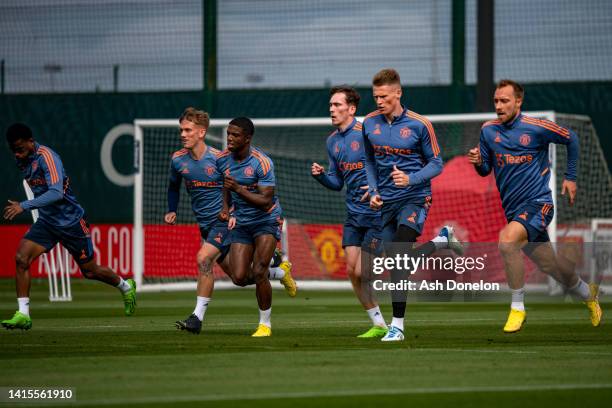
(112, 247)
(170, 250)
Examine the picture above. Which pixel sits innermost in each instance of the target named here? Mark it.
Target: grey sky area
(74, 45)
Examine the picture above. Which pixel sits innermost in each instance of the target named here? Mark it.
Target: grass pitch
(455, 354)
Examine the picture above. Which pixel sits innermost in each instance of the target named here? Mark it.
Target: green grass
(454, 354)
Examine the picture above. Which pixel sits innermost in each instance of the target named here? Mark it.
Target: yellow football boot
(593, 305)
(515, 321)
(262, 331)
(287, 280)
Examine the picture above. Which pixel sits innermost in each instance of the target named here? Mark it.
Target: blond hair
(199, 117)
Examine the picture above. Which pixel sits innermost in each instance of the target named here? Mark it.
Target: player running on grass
(362, 228)
(249, 186)
(61, 219)
(515, 148)
(196, 164)
(402, 156)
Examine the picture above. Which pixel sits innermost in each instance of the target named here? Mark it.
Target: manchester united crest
(405, 132)
(525, 139)
(355, 145)
(248, 171)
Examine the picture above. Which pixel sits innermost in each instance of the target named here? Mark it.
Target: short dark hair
(18, 131)
(519, 92)
(387, 76)
(351, 95)
(245, 124)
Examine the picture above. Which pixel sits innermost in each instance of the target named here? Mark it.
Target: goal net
(164, 256)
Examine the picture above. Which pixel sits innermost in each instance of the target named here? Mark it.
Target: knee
(241, 281)
(350, 270)
(260, 272)
(260, 277)
(204, 258)
(205, 264)
(504, 238)
(507, 245)
(259, 268)
(240, 278)
(88, 272)
(547, 266)
(22, 261)
(353, 271)
(507, 249)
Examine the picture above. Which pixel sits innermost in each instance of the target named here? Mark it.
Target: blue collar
(348, 128)
(402, 115)
(514, 121)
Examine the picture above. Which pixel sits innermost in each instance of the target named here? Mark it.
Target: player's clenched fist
(230, 183)
(474, 156)
(376, 202)
(231, 223)
(400, 179)
(223, 215)
(170, 218)
(316, 169)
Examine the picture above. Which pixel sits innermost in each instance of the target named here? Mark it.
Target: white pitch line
(484, 351)
(344, 393)
(596, 353)
(88, 327)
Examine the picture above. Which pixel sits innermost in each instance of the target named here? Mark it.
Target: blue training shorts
(218, 236)
(246, 234)
(75, 238)
(535, 217)
(362, 230)
(402, 212)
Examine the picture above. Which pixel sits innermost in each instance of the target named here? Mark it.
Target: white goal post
(216, 134)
